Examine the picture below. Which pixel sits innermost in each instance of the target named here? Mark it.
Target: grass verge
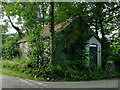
(10, 72)
(23, 70)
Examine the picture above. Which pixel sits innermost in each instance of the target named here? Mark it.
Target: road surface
(16, 82)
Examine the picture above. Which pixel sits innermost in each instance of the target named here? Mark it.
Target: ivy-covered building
(74, 40)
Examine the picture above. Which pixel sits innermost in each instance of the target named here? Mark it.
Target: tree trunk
(52, 31)
(16, 28)
(43, 12)
(103, 34)
(102, 44)
(96, 27)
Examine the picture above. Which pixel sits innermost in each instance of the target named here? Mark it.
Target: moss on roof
(58, 27)
(67, 26)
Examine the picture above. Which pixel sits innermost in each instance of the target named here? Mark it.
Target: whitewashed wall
(24, 48)
(94, 41)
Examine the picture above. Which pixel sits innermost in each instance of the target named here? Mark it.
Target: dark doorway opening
(93, 55)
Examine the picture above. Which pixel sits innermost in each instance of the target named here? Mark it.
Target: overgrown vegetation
(58, 73)
(70, 41)
(10, 46)
(41, 69)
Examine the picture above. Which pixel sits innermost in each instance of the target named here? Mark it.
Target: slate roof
(58, 27)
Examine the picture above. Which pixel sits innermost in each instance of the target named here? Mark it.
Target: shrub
(10, 48)
(55, 72)
(15, 63)
(58, 72)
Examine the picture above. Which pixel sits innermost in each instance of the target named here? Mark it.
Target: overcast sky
(14, 20)
(10, 28)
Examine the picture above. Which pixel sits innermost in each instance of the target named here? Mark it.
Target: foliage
(13, 68)
(80, 60)
(38, 53)
(10, 48)
(30, 15)
(11, 72)
(111, 50)
(23, 11)
(16, 63)
(103, 17)
(70, 49)
(57, 72)
(115, 50)
(68, 74)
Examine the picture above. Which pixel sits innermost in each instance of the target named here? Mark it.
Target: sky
(10, 28)
(14, 20)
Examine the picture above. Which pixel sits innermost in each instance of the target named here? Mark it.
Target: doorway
(93, 56)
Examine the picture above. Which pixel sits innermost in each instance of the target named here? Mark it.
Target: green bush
(15, 63)
(10, 48)
(58, 72)
(55, 72)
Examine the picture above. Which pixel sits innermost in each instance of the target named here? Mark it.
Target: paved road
(15, 82)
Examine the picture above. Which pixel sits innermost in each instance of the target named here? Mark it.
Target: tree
(23, 10)
(9, 10)
(10, 46)
(16, 28)
(103, 18)
(52, 31)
